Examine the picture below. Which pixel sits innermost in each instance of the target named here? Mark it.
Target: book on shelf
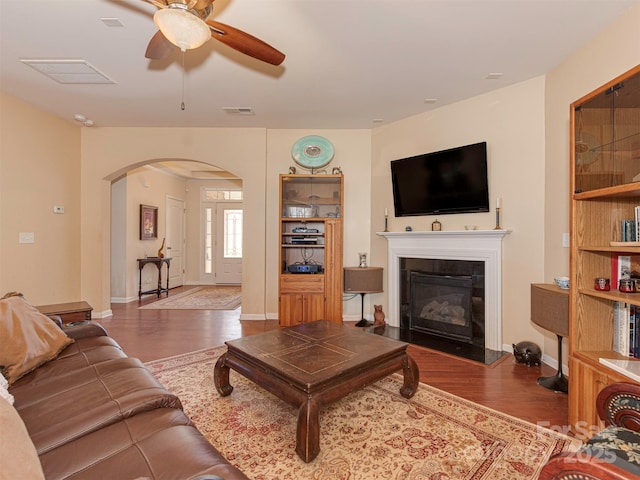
(626, 329)
(624, 265)
(628, 231)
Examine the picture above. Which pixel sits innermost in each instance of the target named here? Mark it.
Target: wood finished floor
(505, 386)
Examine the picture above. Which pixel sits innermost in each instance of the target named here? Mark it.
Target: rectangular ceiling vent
(69, 71)
(112, 22)
(238, 110)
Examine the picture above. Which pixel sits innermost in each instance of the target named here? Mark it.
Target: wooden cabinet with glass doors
(605, 189)
(310, 279)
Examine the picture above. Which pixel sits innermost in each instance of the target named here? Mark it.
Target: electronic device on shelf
(304, 241)
(304, 230)
(304, 268)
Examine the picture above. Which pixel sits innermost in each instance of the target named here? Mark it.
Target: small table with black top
(157, 261)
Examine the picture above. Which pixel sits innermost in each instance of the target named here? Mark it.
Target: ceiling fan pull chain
(183, 74)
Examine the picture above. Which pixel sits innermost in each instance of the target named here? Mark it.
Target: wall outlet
(27, 237)
(58, 209)
(566, 240)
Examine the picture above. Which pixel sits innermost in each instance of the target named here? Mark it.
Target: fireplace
(474, 255)
(441, 305)
(443, 298)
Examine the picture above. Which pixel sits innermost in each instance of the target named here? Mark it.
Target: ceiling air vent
(238, 110)
(68, 71)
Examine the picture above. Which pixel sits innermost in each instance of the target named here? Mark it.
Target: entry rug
(200, 298)
(373, 433)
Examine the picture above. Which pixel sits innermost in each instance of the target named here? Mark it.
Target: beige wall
(613, 52)
(39, 168)
(511, 121)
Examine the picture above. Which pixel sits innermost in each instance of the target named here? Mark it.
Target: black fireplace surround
(443, 298)
(441, 305)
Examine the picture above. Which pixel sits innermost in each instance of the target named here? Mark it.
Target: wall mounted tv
(444, 182)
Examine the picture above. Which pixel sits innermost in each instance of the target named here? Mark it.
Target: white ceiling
(349, 63)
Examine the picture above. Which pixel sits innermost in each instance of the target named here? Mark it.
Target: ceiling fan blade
(245, 43)
(159, 47)
(159, 4)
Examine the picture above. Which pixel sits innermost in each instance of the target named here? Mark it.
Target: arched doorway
(180, 190)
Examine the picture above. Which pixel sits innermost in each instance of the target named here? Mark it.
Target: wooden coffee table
(313, 364)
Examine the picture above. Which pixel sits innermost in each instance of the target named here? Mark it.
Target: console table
(157, 261)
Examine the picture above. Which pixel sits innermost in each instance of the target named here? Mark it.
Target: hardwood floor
(505, 386)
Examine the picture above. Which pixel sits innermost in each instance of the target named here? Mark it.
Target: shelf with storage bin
(605, 147)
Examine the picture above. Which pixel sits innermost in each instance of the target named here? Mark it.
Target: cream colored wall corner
(107, 153)
(352, 155)
(39, 168)
(511, 121)
(613, 52)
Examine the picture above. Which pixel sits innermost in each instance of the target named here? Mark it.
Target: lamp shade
(182, 28)
(363, 279)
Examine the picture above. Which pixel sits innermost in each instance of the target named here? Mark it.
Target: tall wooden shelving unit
(605, 169)
(311, 214)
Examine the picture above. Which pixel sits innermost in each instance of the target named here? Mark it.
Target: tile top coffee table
(313, 364)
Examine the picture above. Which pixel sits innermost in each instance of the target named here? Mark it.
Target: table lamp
(363, 280)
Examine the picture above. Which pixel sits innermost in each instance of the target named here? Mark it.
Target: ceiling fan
(184, 24)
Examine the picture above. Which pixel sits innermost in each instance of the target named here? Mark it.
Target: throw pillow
(29, 338)
(18, 455)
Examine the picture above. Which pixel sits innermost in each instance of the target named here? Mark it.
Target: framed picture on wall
(148, 222)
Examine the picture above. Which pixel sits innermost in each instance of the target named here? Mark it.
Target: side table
(157, 261)
(550, 310)
(67, 309)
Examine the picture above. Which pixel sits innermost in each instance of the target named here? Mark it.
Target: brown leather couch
(93, 412)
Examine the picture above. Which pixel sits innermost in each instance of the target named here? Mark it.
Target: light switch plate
(27, 237)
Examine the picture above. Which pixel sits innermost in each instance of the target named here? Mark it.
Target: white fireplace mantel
(469, 245)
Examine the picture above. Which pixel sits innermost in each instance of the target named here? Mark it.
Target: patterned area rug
(374, 433)
(200, 298)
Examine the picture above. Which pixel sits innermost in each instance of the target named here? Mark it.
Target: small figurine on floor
(527, 352)
(378, 316)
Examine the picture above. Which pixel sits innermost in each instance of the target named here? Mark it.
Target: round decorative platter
(312, 151)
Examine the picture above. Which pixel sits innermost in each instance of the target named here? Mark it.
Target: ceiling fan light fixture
(181, 27)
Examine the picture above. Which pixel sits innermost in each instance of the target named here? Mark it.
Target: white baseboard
(103, 314)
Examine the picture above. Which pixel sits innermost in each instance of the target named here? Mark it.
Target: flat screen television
(444, 182)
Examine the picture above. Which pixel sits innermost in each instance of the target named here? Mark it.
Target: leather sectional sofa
(92, 412)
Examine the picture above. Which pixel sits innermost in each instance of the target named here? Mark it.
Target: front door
(175, 240)
(228, 263)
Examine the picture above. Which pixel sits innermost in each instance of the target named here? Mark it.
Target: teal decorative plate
(312, 151)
